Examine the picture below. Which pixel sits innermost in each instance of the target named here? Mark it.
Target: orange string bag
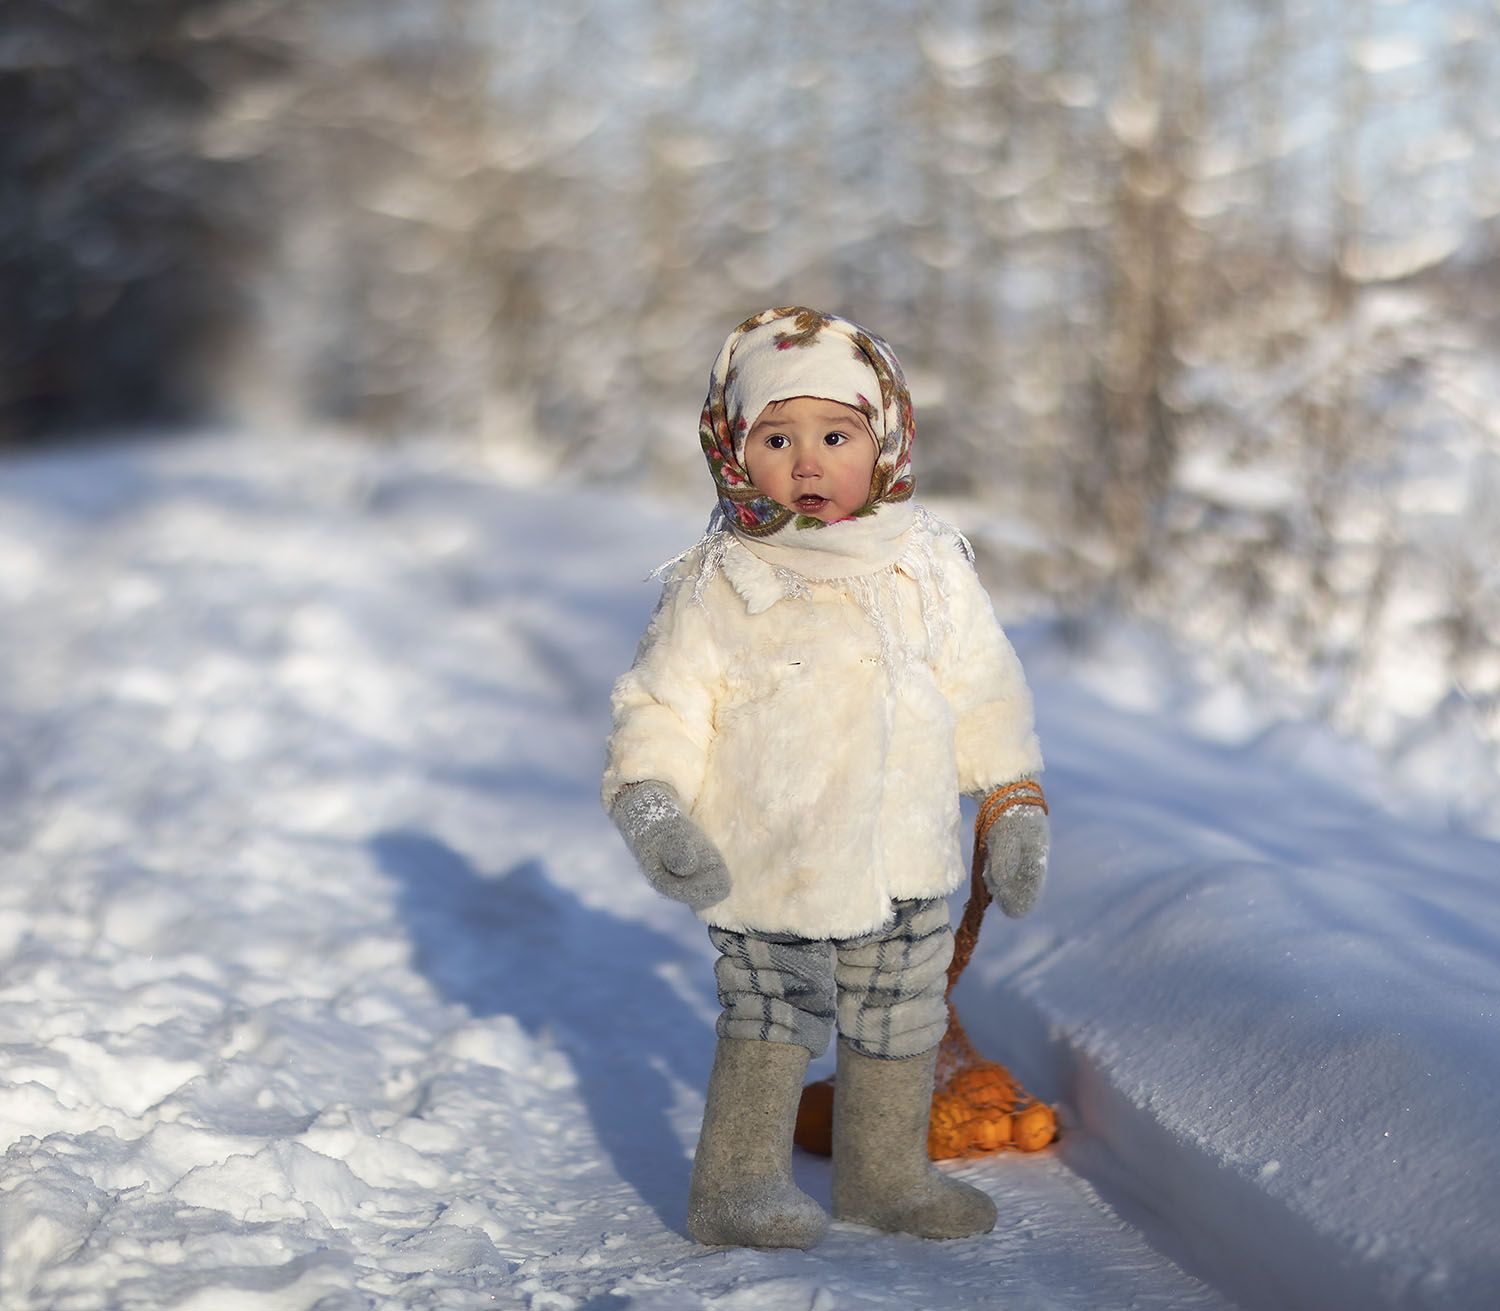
(977, 1105)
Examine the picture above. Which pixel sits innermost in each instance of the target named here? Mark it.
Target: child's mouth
(811, 503)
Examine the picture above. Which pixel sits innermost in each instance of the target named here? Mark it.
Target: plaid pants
(885, 988)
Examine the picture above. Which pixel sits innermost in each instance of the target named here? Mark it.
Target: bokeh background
(1200, 304)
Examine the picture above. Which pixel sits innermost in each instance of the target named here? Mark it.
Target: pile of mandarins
(979, 1109)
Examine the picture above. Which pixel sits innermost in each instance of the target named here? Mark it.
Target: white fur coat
(826, 768)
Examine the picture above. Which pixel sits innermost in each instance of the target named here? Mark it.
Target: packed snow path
(327, 985)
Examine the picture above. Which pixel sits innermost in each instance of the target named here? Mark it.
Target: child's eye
(776, 441)
(835, 438)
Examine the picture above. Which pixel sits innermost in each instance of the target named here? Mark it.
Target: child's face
(813, 456)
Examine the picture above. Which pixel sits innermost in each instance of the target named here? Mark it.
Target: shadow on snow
(574, 976)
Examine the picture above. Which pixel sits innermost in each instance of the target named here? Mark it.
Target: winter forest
(1201, 301)
(1200, 307)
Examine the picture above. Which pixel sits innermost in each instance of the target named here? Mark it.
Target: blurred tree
(1148, 278)
(123, 241)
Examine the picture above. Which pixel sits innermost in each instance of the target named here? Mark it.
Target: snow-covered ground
(326, 984)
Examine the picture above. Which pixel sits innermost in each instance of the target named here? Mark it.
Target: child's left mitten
(677, 857)
(1016, 861)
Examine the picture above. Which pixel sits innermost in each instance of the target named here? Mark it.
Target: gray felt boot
(881, 1172)
(742, 1192)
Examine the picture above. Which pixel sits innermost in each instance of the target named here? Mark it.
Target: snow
(327, 985)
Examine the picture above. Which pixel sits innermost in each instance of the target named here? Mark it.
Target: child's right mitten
(673, 852)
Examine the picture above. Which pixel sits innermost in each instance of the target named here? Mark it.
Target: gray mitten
(671, 850)
(1016, 866)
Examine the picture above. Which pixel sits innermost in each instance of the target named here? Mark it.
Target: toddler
(822, 678)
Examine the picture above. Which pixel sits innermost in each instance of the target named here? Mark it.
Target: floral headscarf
(794, 351)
